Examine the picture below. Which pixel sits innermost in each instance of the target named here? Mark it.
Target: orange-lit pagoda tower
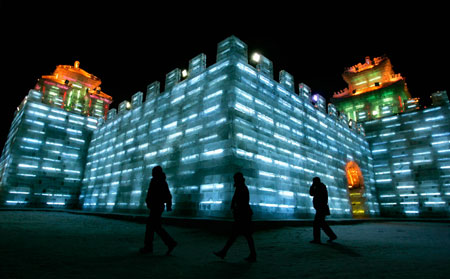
(74, 90)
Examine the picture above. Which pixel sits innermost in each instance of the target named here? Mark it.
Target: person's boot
(170, 247)
(146, 250)
(332, 239)
(221, 254)
(251, 258)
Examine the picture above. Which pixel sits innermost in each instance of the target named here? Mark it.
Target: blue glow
(230, 117)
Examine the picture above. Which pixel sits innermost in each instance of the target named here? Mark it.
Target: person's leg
(234, 234)
(149, 235)
(247, 230)
(316, 227)
(251, 246)
(328, 231)
(165, 237)
(230, 242)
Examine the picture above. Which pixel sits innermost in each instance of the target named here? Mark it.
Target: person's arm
(234, 199)
(147, 199)
(168, 198)
(322, 193)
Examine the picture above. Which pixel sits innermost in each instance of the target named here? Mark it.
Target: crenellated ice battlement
(209, 122)
(234, 49)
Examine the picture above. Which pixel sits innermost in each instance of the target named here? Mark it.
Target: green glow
(69, 98)
(371, 102)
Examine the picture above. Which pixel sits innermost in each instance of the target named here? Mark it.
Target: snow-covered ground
(63, 245)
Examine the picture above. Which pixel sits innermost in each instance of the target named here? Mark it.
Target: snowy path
(63, 245)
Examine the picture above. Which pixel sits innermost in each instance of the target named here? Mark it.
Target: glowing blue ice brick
(153, 89)
(229, 117)
(136, 99)
(263, 65)
(44, 156)
(221, 119)
(287, 80)
(319, 102)
(332, 111)
(230, 48)
(304, 91)
(197, 65)
(409, 156)
(124, 106)
(172, 79)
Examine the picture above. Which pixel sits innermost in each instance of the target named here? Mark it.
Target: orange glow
(354, 175)
(356, 189)
(367, 77)
(367, 65)
(66, 74)
(77, 89)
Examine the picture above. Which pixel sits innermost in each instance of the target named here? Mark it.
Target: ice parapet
(229, 117)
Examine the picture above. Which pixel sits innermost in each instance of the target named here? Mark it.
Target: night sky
(129, 47)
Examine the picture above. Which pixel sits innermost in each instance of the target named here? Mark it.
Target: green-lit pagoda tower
(374, 90)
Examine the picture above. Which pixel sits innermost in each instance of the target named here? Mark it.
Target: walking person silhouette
(242, 214)
(320, 201)
(158, 194)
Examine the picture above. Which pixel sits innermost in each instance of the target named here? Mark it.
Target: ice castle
(210, 122)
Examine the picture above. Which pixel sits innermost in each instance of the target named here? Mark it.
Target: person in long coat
(320, 201)
(158, 195)
(242, 214)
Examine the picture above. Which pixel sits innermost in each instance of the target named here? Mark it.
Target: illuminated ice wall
(210, 122)
(44, 156)
(225, 118)
(411, 154)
